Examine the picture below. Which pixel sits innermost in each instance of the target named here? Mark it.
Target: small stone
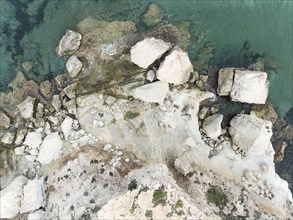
(194, 77)
(176, 68)
(212, 125)
(8, 138)
(107, 147)
(147, 51)
(109, 100)
(56, 102)
(19, 150)
(71, 106)
(53, 119)
(73, 66)
(66, 126)
(33, 139)
(46, 88)
(150, 75)
(69, 43)
(5, 120)
(34, 152)
(153, 92)
(70, 91)
(30, 158)
(26, 107)
(225, 81)
(101, 124)
(202, 113)
(126, 160)
(60, 80)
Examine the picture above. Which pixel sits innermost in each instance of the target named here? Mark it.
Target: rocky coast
(133, 129)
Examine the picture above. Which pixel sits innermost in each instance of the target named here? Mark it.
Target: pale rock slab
(56, 102)
(33, 195)
(145, 52)
(33, 139)
(66, 126)
(5, 121)
(225, 81)
(73, 66)
(11, 197)
(69, 43)
(251, 134)
(153, 92)
(26, 107)
(19, 150)
(212, 125)
(176, 68)
(50, 148)
(150, 75)
(250, 87)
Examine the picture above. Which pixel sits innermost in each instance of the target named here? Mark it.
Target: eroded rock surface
(69, 43)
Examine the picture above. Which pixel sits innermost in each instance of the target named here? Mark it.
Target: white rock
(26, 107)
(182, 166)
(71, 106)
(66, 126)
(150, 75)
(250, 87)
(251, 134)
(5, 121)
(33, 139)
(33, 195)
(153, 92)
(73, 66)
(203, 111)
(8, 138)
(107, 147)
(176, 68)
(11, 197)
(212, 125)
(70, 91)
(30, 158)
(225, 81)
(56, 102)
(69, 43)
(53, 119)
(19, 150)
(145, 52)
(50, 148)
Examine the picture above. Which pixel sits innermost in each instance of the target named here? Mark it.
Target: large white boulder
(66, 127)
(212, 125)
(73, 66)
(50, 148)
(69, 43)
(11, 197)
(250, 134)
(33, 139)
(33, 195)
(145, 52)
(26, 107)
(176, 68)
(225, 81)
(250, 87)
(153, 92)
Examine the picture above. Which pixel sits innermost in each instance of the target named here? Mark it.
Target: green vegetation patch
(130, 115)
(159, 196)
(148, 213)
(216, 196)
(179, 204)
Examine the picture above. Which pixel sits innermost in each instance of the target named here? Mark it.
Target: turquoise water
(30, 31)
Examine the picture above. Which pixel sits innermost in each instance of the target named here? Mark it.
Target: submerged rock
(153, 92)
(250, 135)
(73, 66)
(50, 148)
(154, 15)
(26, 107)
(69, 43)
(212, 125)
(145, 52)
(176, 68)
(250, 87)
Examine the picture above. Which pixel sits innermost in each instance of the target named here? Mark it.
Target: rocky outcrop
(145, 52)
(154, 15)
(250, 87)
(176, 68)
(73, 66)
(153, 92)
(250, 135)
(69, 43)
(212, 125)
(11, 197)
